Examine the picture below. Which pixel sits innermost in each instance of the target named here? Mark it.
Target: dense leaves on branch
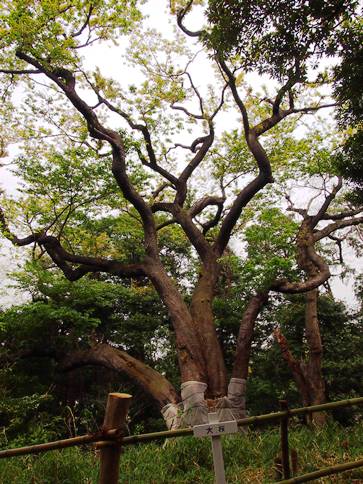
(281, 38)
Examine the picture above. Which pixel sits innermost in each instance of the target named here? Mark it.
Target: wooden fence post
(284, 429)
(115, 417)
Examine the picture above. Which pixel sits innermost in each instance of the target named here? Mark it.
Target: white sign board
(215, 429)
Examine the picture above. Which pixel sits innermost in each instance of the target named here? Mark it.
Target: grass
(249, 458)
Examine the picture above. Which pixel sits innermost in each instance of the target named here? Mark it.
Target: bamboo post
(115, 417)
(284, 432)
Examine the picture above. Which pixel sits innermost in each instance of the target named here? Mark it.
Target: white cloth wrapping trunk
(224, 411)
(237, 397)
(172, 413)
(195, 406)
(194, 410)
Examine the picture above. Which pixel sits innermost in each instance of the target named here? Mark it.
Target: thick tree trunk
(235, 401)
(200, 356)
(190, 356)
(202, 314)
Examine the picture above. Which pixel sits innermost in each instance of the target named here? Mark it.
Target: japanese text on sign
(212, 430)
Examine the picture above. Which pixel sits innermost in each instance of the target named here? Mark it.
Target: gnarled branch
(180, 17)
(116, 359)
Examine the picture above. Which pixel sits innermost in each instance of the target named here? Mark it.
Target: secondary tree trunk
(312, 366)
(245, 335)
(307, 372)
(295, 367)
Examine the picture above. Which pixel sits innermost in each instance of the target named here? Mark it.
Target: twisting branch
(321, 276)
(196, 92)
(20, 71)
(338, 241)
(8, 234)
(65, 260)
(242, 199)
(206, 142)
(180, 145)
(232, 84)
(294, 78)
(152, 163)
(194, 235)
(252, 134)
(265, 174)
(200, 99)
(286, 88)
(180, 17)
(341, 215)
(162, 207)
(214, 221)
(107, 356)
(64, 79)
(339, 224)
(85, 24)
(221, 102)
(314, 266)
(160, 189)
(312, 109)
(188, 113)
(291, 208)
(312, 199)
(166, 224)
(173, 181)
(204, 202)
(322, 211)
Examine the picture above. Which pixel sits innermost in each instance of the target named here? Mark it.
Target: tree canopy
(204, 190)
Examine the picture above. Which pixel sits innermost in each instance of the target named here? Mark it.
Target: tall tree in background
(126, 150)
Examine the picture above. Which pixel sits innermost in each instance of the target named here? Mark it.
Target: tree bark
(190, 357)
(307, 372)
(113, 358)
(312, 367)
(295, 368)
(203, 318)
(245, 335)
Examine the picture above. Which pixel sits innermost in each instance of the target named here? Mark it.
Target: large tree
(121, 149)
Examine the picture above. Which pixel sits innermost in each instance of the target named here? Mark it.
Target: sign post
(214, 430)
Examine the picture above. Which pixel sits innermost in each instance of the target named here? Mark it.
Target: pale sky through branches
(110, 62)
